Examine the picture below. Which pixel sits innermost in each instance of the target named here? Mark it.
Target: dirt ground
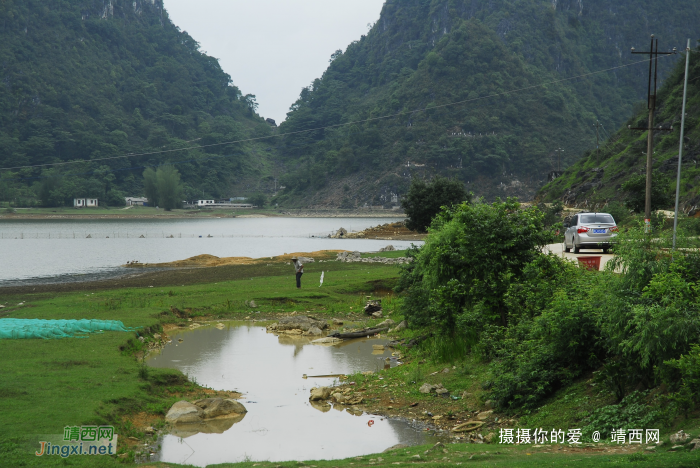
(203, 261)
(389, 231)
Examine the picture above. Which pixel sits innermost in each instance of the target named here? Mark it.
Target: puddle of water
(280, 424)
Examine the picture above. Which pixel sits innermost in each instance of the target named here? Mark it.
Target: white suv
(589, 231)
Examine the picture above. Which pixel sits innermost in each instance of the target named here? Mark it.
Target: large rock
(484, 415)
(349, 256)
(320, 393)
(679, 437)
(340, 233)
(315, 331)
(386, 323)
(401, 326)
(388, 248)
(183, 411)
(426, 388)
(220, 407)
(300, 322)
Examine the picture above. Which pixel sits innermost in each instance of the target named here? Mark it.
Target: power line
(371, 119)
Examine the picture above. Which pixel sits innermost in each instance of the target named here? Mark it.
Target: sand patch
(206, 260)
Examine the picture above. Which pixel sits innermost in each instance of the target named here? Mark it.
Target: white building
(85, 203)
(134, 201)
(220, 204)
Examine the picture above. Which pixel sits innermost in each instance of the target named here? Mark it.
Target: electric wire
(371, 119)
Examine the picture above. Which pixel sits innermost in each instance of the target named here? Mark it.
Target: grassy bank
(48, 384)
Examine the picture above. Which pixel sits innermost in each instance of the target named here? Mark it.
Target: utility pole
(597, 144)
(559, 151)
(680, 145)
(651, 105)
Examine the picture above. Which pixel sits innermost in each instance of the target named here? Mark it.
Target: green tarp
(49, 329)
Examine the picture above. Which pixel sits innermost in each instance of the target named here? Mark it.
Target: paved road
(558, 249)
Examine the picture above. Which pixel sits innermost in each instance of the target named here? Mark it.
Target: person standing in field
(299, 269)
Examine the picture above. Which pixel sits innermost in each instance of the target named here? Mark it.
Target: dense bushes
(471, 256)
(543, 322)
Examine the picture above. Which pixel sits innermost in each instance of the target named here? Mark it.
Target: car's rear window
(597, 218)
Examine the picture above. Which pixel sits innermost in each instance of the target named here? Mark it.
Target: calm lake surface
(280, 424)
(40, 251)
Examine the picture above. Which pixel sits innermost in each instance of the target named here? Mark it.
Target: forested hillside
(424, 54)
(96, 79)
(592, 182)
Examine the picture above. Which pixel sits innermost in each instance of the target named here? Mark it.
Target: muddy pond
(281, 423)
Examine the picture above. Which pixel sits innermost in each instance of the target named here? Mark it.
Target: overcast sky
(273, 48)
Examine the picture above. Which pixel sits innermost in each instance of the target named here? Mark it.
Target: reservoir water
(78, 250)
(281, 423)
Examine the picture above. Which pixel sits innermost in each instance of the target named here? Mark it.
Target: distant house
(220, 204)
(85, 203)
(136, 201)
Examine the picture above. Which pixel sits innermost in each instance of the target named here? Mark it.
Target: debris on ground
(373, 306)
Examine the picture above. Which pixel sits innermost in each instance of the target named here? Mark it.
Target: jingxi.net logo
(80, 440)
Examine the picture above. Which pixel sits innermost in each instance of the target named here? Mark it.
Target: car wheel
(577, 248)
(566, 248)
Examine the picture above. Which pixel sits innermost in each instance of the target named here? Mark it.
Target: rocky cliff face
(427, 54)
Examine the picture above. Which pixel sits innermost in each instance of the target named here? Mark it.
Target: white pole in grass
(680, 145)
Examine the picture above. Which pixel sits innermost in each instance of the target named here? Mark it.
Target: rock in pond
(320, 393)
(182, 409)
(300, 322)
(209, 415)
(218, 407)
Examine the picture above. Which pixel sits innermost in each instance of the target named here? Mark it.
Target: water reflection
(281, 423)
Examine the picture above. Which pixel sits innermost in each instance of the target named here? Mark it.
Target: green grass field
(48, 384)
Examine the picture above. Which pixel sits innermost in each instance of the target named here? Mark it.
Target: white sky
(273, 48)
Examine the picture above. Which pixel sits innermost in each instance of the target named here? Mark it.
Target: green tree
(424, 200)
(150, 186)
(49, 188)
(259, 200)
(168, 187)
(635, 187)
(471, 256)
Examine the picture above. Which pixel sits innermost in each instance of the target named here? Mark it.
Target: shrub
(471, 256)
(631, 413)
(635, 188)
(688, 385)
